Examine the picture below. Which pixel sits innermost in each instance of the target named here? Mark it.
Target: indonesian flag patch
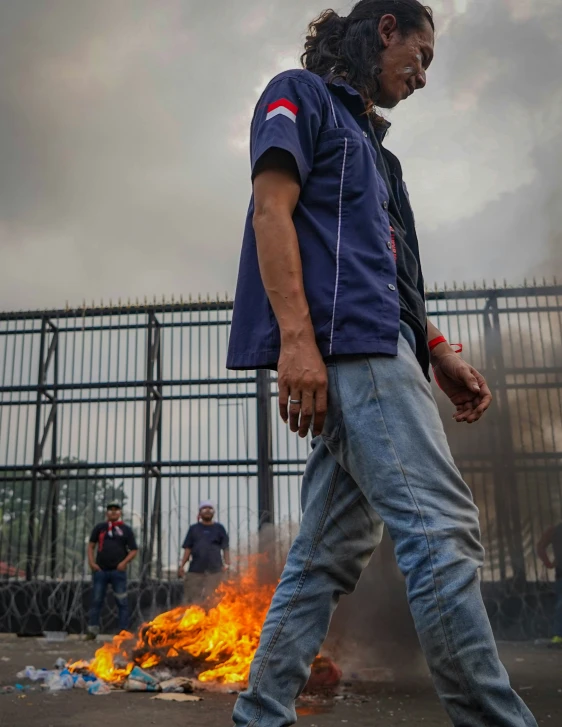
(283, 107)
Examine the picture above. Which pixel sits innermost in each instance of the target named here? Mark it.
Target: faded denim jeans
(118, 581)
(384, 457)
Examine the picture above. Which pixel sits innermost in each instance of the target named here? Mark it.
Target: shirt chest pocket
(344, 163)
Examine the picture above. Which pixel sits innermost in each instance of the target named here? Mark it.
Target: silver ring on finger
(295, 402)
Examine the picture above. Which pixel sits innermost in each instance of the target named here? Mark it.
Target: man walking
(552, 538)
(330, 293)
(116, 548)
(207, 545)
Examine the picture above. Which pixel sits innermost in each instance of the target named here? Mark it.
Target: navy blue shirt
(342, 223)
(206, 543)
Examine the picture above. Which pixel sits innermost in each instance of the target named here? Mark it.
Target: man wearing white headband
(206, 547)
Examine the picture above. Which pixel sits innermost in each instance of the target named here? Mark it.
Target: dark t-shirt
(206, 543)
(112, 549)
(412, 305)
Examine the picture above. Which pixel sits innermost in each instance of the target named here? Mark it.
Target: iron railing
(135, 402)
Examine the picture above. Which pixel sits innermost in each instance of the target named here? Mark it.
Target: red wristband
(436, 341)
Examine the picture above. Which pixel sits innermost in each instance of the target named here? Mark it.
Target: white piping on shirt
(333, 110)
(338, 248)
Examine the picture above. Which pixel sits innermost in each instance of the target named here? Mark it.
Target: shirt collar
(349, 95)
(354, 102)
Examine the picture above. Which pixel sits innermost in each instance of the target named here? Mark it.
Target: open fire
(216, 644)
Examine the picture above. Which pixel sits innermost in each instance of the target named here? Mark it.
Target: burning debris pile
(184, 649)
(214, 644)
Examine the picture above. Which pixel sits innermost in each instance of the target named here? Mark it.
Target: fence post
(152, 517)
(508, 512)
(43, 399)
(266, 514)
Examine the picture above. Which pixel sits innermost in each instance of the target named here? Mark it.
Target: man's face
(113, 514)
(404, 62)
(207, 514)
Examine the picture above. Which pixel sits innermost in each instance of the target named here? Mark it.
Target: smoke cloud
(123, 139)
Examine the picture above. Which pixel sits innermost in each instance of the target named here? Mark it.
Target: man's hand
(122, 566)
(181, 571)
(303, 378)
(95, 567)
(463, 384)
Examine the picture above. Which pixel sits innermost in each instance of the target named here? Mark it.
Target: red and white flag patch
(282, 107)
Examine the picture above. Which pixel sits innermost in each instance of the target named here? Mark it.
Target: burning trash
(184, 649)
(214, 644)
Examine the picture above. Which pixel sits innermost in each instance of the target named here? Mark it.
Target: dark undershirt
(412, 305)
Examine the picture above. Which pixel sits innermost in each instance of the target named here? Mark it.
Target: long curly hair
(350, 46)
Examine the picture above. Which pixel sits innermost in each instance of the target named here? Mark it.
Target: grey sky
(123, 142)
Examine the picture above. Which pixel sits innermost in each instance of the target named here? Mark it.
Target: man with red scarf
(116, 548)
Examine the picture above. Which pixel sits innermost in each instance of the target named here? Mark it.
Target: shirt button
(389, 245)
(391, 287)
(385, 205)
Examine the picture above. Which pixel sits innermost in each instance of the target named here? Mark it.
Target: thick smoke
(123, 138)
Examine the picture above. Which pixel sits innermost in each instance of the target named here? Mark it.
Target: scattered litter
(140, 675)
(525, 689)
(177, 685)
(99, 688)
(55, 635)
(58, 681)
(178, 697)
(325, 674)
(60, 663)
(33, 674)
(132, 685)
(161, 675)
(5, 658)
(7, 690)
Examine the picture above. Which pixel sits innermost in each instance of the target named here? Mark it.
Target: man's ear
(388, 27)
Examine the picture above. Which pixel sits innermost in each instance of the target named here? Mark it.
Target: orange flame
(218, 643)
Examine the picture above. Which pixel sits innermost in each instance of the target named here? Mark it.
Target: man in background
(552, 538)
(206, 544)
(116, 548)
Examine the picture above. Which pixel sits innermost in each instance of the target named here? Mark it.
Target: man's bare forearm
(186, 557)
(91, 555)
(281, 272)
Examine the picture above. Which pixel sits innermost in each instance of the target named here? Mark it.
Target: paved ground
(536, 672)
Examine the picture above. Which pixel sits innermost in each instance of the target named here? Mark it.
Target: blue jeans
(384, 457)
(118, 581)
(558, 611)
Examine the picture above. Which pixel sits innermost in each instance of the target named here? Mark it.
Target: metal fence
(135, 402)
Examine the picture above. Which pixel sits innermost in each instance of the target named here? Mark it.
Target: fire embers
(212, 644)
(324, 675)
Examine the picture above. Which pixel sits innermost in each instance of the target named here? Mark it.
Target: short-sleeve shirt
(114, 548)
(342, 223)
(206, 543)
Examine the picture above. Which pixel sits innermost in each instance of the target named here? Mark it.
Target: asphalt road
(535, 671)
